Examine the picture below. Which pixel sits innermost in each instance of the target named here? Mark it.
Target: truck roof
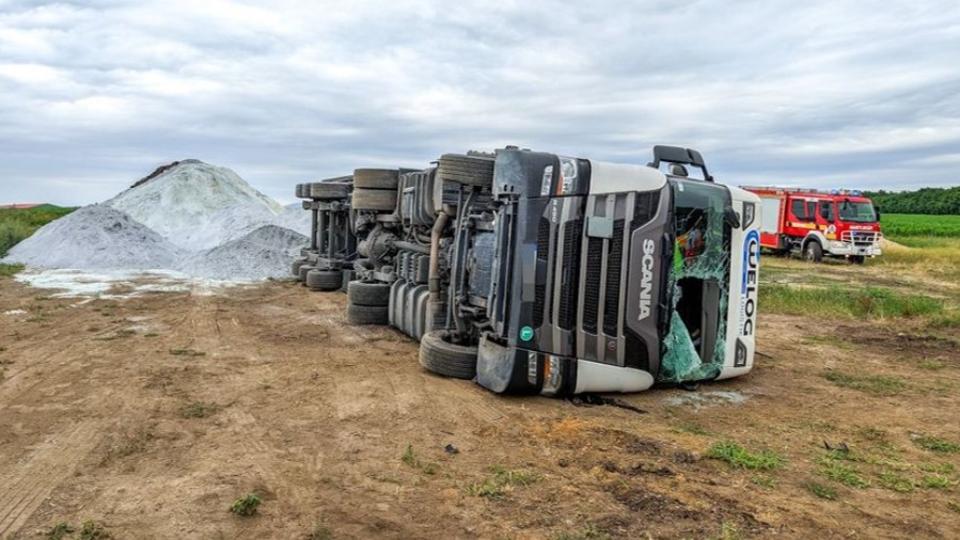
(808, 192)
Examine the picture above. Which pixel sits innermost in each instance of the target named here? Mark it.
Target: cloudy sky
(95, 94)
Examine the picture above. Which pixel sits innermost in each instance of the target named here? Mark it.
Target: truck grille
(571, 260)
(861, 238)
(543, 252)
(611, 300)
(591, 293)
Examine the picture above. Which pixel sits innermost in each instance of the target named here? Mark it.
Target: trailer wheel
(813, 251)
(324, 280)
(329, 190)
(857, 259)
(374, 199)
(302, 272)
(368, 294)
(440, 356)
(297, 263)
(467, 170)
(366, 314)
(375, 178)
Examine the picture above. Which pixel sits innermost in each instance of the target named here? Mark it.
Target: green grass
(936, 444)
(878, 385)
(246, 506)
(590, 532)
(821, 490)
(8, 270)
(841, 472)
(907, 225)
(896, 482)
(411, 459)
(19, 223)
(935, 481)
(849, 302)
(500, 482)
(198, 409)
(740, 457)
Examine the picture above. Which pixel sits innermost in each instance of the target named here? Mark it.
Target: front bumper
(840, 248)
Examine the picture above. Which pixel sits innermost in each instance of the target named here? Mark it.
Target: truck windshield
(861, 212)
(694, 343)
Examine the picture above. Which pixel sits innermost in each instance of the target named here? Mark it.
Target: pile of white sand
(187, 216)
(96, 237)
(263, 253)
(197, 205)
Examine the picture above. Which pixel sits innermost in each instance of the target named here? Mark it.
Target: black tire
(297, 263)
(324, 280)
(440, 356)
(329, 190)
(374, 199)
(467, 170)
(302, 272)
(366, 314)
(857, 259)
(368, 294)
(813, 251)
(375, 178)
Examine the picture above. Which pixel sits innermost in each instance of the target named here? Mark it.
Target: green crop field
(19, 223)
(896, 226)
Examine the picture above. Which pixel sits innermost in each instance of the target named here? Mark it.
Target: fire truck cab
(818, 224)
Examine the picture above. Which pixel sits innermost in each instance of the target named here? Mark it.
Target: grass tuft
(936, 444)
(848, 303)
(821, 490)
(501, 481)
(246, 506)
(878, 385)
(740, 457)
(896, 482)
(843, 473)
(411, 459)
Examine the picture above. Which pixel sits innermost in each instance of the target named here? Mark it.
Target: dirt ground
(150, 416)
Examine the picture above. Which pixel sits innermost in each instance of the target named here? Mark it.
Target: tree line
(922, 201)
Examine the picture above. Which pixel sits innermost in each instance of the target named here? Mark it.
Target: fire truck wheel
(440, 356)
(857, 259)
(329, 190)
(468, 170)
(368, 294)
(324, 280)
(374, 199)
(813, 251)
(297, 264)
(366, 314)
(375, 178)
(302, 272)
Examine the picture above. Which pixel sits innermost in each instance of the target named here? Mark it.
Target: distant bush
(19, 223)
(923, 201)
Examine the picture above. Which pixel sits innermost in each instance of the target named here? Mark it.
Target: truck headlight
(568, 174)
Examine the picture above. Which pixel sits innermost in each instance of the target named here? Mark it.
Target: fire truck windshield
(860, 212)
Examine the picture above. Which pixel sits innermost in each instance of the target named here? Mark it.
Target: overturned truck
(530, 272)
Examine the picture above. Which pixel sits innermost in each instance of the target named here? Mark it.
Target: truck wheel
(297, 263)
(374, 199)
(368, 294)
(299, 191)
(857, 259)
(467, 170)
(302, 272)
(324, 280)
(329, 190)
(375, 178)
(440, 356)
(366, 314)
(813, 251)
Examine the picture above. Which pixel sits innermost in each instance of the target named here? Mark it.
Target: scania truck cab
(613, 277)
(535, 273)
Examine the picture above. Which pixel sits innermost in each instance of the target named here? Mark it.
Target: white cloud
(95, 94)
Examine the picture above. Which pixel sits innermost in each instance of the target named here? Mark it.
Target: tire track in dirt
(26, 486)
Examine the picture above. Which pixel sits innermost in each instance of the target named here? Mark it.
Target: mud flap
(504, 370)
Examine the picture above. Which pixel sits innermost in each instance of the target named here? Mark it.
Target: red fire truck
(818, 224)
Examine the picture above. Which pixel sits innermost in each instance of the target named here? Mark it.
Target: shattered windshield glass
(694, 342)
